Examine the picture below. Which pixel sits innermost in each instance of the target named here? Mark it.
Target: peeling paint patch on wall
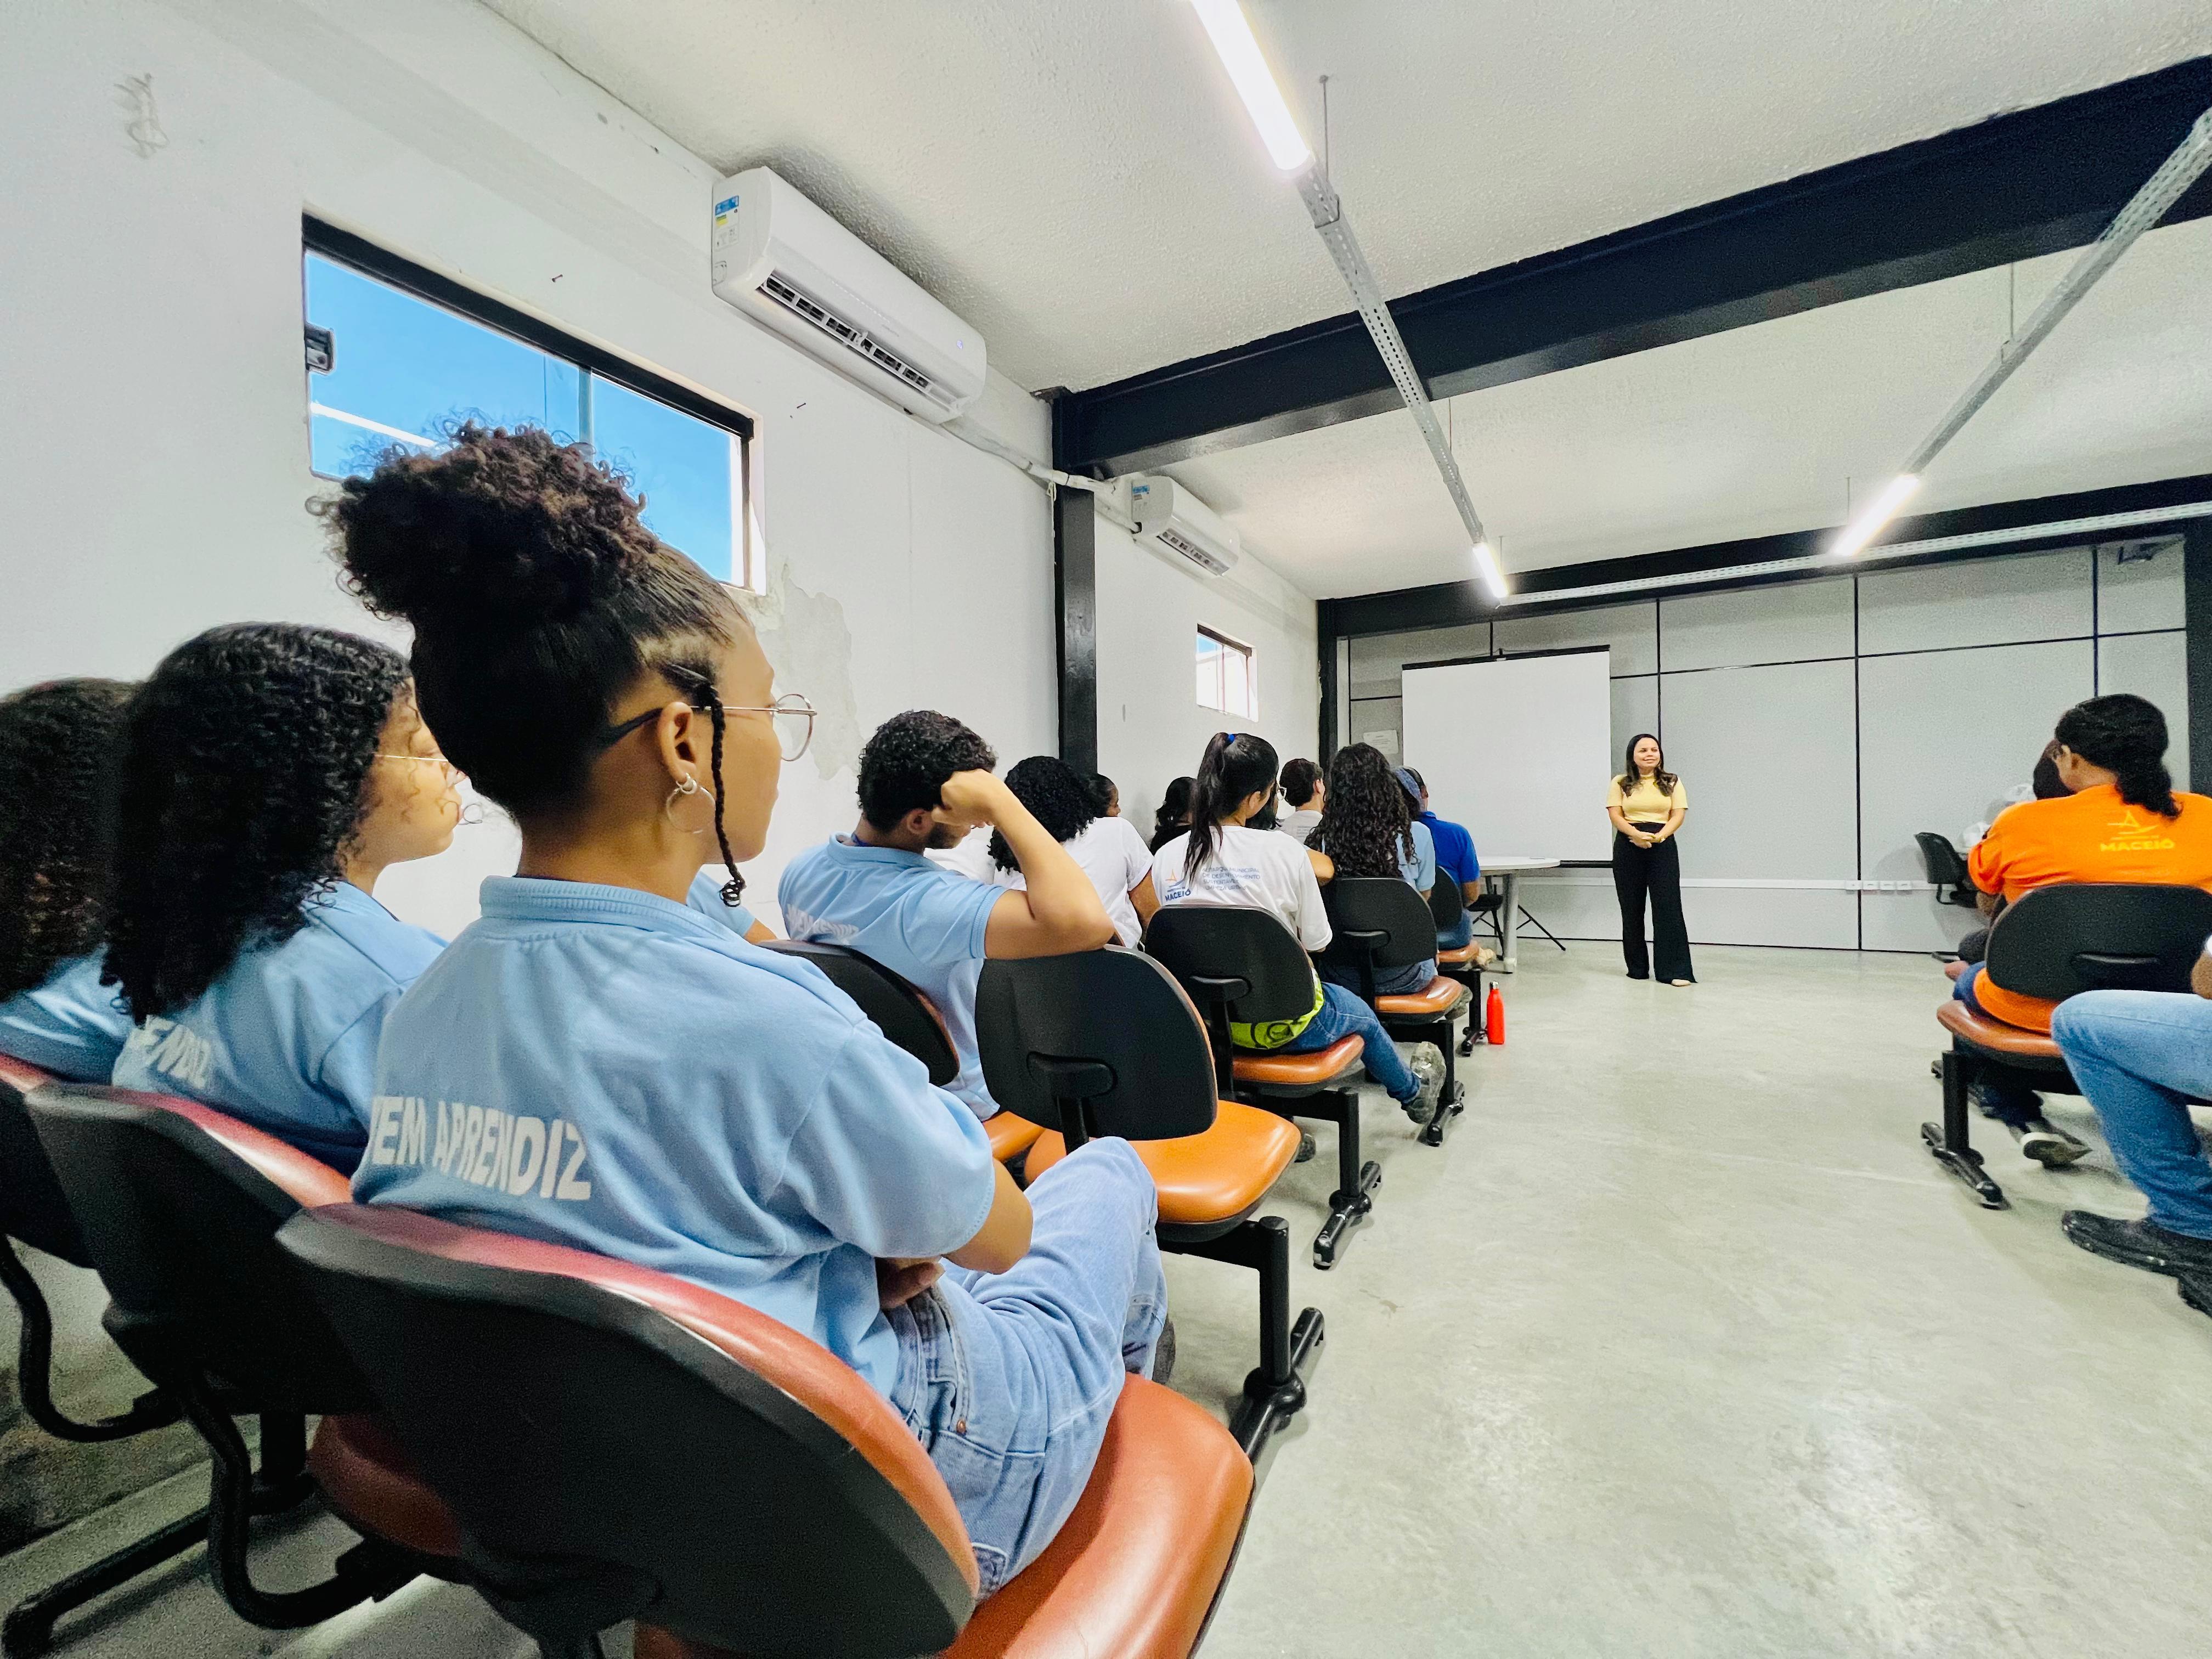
(810, 648)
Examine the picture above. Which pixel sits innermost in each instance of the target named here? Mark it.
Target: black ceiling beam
(2033, 182)
(1450, 605)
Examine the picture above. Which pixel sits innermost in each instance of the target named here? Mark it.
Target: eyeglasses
(791, 713)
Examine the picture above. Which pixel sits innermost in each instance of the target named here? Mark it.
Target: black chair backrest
(2055, 942)
(899, 1009)
(1945, 866)
(31, 1206)
(1378, 920)
(1446, 904)
(183, 1230)
(1237, 962)
(615, 1443)
(1109, 1028)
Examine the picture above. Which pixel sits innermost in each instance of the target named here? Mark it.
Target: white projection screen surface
(1517, 748)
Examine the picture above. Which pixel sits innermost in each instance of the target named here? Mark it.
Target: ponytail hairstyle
(1659, 774)
(1174, 816)
(1236, 764)
(538, 598)
(61, 753)
(247, 753)
(2126, 735)
(1058, 796)
(1367, 824)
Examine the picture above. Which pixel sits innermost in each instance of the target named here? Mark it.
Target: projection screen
(1517, 748)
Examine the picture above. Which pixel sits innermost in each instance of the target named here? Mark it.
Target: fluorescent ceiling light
(1231, 34)
(1868, 524)
(1485, 566)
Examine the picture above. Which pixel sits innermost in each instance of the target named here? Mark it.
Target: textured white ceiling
(1753, 432)
(1078, 181)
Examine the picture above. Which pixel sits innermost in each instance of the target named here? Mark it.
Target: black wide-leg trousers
(1657, 872)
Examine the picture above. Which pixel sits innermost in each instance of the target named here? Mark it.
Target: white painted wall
(157, 398)
(1151, 727)
(155, 414)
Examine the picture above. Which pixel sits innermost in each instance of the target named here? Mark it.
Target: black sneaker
(2197, 1290)
(2139, 1244)
(1993, 1103)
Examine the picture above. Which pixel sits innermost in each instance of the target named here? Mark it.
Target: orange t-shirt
(2091, 836)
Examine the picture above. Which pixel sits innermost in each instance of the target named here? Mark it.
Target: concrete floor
(1681, 1346)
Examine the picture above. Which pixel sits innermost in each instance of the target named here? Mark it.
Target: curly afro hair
(246, 756)
(61, 751)
(1058, 796)
(1367, 824)
(907, 761)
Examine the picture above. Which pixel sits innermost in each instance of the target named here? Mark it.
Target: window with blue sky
(404, 370)
(1226, 679)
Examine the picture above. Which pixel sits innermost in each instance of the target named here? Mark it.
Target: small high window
(1228, 678)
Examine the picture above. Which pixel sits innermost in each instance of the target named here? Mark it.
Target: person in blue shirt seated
(1456, 859)
(926, 783)
(1368, 828)
(60, 744)
(271, 774)
(594, 1063)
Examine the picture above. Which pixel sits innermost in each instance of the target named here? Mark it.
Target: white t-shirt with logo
(1115, 856)
(1261, 868)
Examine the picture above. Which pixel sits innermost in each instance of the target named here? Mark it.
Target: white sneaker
(1426, 1062)
(2044, 1143)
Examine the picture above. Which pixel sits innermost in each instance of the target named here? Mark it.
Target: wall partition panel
(1767, 754)
(1944, 738)
(2036, 596)
(1635, 708)
(2154, 666)
(1799, 622)
(2140, 593)
(1630, 630)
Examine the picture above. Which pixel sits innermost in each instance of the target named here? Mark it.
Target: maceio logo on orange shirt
(2131, 834)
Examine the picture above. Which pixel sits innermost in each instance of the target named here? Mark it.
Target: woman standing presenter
(1647, 805)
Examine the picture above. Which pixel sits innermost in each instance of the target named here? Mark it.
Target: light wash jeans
(1343, 1014)
(2142, 1056)
(1008, 1379)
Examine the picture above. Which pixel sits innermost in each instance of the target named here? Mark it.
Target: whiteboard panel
(2154, 666)
(2030, 595)
(2141, 595)
(1945, 736)
(1766, 755)
(1630, 631)
(1795, 622)
(1517, 748)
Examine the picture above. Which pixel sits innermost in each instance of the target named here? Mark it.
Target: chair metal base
(28, 1629)
(1949, 1143)
(1449, 1104)
(1275, 1391)
(34, 1350)
(1350, 1204)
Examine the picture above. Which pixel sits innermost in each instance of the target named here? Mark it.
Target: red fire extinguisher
(1493, 1018)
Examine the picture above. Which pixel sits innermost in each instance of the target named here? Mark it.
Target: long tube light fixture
(1230, 32)
(2146, 208)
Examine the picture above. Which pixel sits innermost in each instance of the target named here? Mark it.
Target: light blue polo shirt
(706, 897)
(924, 923)
(72, 1025)
(600, 1068)
(286, 1038)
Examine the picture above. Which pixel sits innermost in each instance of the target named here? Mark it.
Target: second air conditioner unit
(1171, 515)
(792, 266)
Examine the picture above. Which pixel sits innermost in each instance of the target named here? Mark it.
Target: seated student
(273, 772)
(1223, 861)
(1109, 849)
(60, 746)
(2123, 822)
(642, 1082)
(2043, 784)
(1456, 859)
(1368, 828)
(1305, 791)
(1109, 796)
(926, 783)
(2142, 1057)
(1174, 816)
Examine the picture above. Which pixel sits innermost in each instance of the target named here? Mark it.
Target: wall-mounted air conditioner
(788, 264)
(1171, 515)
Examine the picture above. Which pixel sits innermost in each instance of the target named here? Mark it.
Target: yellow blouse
(1647, 803)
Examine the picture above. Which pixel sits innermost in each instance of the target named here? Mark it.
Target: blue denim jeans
(1008, 1379)
(2001, 1094)
(1344, 1014)
(2142, 1056)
